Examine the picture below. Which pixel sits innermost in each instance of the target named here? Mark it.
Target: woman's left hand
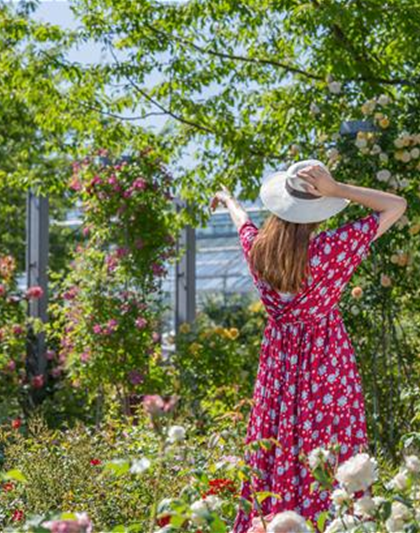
(221, 196)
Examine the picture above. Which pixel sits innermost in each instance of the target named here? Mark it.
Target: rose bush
(105, 327)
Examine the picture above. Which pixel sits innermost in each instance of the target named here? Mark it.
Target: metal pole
(37, 242)
(185, 278)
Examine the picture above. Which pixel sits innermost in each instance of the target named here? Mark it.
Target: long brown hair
(279, 253)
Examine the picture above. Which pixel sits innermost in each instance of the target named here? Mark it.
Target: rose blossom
(17, 329)
(135, 377)
(413, 463)
(56, 372)
(50, 355)
(82, 524)
(357, 473)
(97, 328)
(37, 381)
(140, 183)
(287, 522)
(11, 365)
(85, 356)
(155, 405)
(16, 423)
(34, 292)
(141, 323)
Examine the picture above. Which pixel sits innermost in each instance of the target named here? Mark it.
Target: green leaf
(15, 475)
(261, 496)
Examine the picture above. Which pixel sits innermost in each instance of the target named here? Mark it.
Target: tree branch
(289, 68)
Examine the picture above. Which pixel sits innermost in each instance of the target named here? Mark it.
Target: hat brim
(278, 201)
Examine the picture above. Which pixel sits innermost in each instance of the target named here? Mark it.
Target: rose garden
(101, 429)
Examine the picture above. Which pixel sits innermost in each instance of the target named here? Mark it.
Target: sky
(59, 12)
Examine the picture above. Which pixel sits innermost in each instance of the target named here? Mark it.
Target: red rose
(95, 462)
(37, 381)
(7, 487)
(164, 520)
(34, 292)
(17, 515)
(16, 423)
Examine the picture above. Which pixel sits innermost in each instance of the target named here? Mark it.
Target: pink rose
(34, 292)
(97, 328)
(37, 381)
(140, 184)
(56, 372)
(135, 377)
(85, 356)
(82, 524)
(50, 354)
(141, 323)
(122, 251)
(11, 365)
(155, 405)
(75, 184)
(257, 525)
(17, 329)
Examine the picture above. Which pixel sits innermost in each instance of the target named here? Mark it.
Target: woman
(308, 390)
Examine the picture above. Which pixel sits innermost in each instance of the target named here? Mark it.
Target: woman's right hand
(221, 196)
(320, 182)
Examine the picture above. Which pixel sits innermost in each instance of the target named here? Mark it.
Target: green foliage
(105, 325)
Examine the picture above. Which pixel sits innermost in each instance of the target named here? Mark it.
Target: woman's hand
(320, 182)
(221, 196)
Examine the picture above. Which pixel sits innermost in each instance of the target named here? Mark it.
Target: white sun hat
(286, 195)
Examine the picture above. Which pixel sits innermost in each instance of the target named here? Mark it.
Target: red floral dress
(308, 390)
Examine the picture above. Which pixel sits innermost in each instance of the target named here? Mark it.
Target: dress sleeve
(247, 233)
(354, 238)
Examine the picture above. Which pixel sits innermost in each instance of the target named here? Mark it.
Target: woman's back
(333, 257)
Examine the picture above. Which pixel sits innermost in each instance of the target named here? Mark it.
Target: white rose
(399, 511)
(378, 500)
(199, 511)
(341, 524)
(139, 466)
(318, 456)
(355, 310)
(176, 434)
(287, 522)
(368, 107)
(405, 156)
(403, 183)
(384, 99)
(357, 473)
(213, 501)
(383, 157)
(413, 463)
(340, 497)
(364, 506)
(376, 149)
(314, 108)
(415, 153)
(383, 175)
(399, 481)
(361, 143)
(333, 152)
(334, 87)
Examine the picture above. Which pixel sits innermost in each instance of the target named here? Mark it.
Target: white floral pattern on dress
(308, 389)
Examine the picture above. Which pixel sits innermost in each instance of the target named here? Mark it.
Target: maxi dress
(308, 390)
